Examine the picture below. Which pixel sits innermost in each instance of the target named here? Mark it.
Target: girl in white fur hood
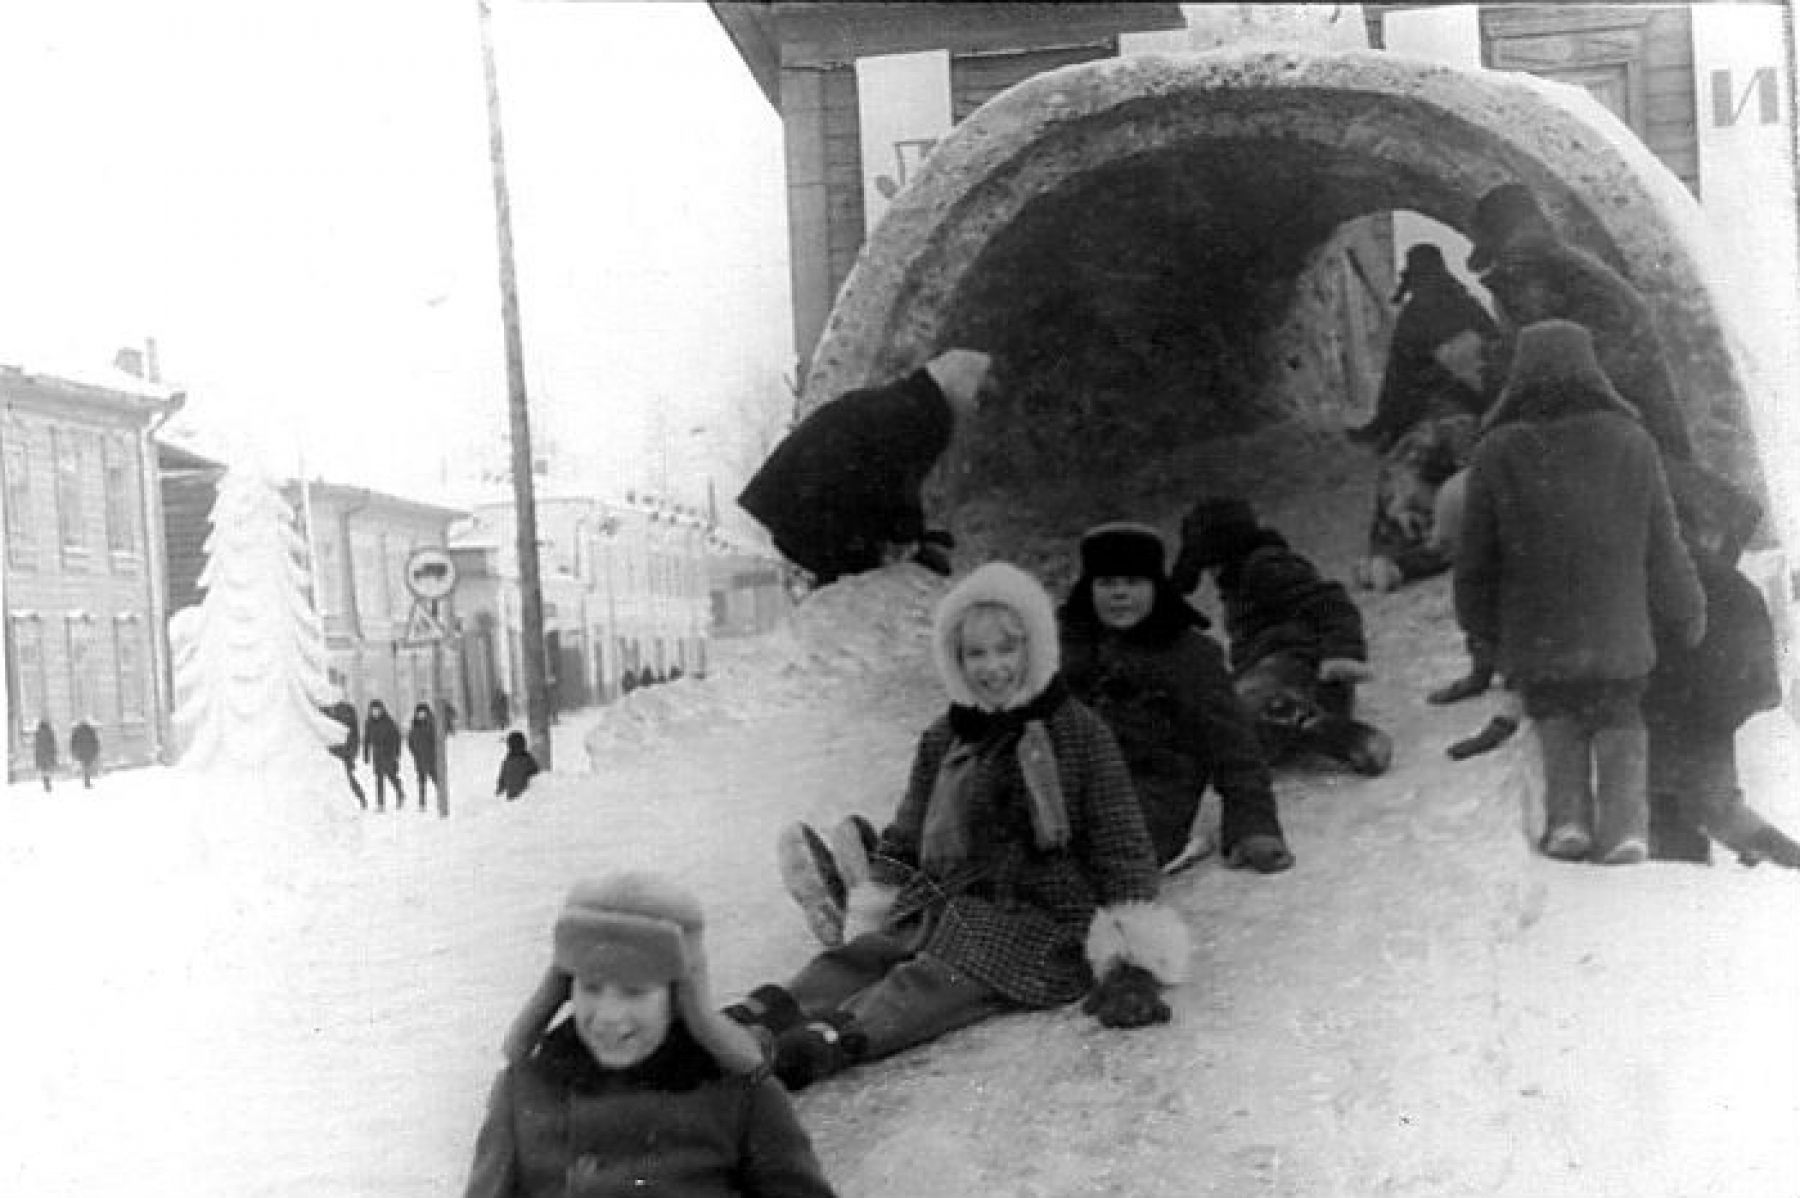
(1021, 872)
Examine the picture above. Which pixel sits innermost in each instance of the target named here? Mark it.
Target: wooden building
(84, 614)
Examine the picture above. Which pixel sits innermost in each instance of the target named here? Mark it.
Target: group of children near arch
(1061, 784)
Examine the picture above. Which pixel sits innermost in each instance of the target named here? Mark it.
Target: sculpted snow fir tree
(250, 674)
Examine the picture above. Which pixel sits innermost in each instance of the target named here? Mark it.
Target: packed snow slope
(1420, 1007)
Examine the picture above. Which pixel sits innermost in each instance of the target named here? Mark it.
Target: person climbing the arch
(1297, 648)
(841, 494)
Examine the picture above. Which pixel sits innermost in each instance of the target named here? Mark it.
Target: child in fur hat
(1021, 872)
(644, 1087)
(1297, 644)
(1133, 650)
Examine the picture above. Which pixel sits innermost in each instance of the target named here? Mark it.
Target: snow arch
(1067, 183)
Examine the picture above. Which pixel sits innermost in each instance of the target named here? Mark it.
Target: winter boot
(814, 881)
(770, 1008)
(1475, 682)
(1674, 836)
(1568, 790)
(1496, 732)
(1754, 839)
(1368, 751)
(1621, 801)
(817, 1049)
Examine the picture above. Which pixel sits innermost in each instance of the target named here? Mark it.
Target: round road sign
(430, 574)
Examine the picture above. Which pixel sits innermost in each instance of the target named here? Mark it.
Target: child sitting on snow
(517, 768)
(644, 1086)
(1296, 639)
(1021, 872)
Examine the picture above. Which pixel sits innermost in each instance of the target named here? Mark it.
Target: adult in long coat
(1022, 873)
(1534, 275)
(841, 494)
(381, 750)
(1569, 558)
(421, 742)
(1436, 311)
(84, 747)
(1133, 651)
(43, 746)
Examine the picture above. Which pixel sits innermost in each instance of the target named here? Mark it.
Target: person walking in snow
(43, 744)
(1297, 648)
(841, 494)
(1696, 699)
(517, 768)
(642, 1087)
(344, 712)
(1569, 559)
(1020, 871)
(381, 750)
(1133, 651)
(421, 742)
(84, 747)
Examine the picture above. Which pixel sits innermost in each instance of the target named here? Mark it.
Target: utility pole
(531, 594)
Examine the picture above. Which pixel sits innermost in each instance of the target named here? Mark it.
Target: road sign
(422, 627)
(430, 574)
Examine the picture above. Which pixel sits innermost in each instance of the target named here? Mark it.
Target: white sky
(294, 200)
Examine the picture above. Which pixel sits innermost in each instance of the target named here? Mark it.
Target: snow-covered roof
(90, 376)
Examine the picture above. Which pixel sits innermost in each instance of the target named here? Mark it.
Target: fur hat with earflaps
(639, 929)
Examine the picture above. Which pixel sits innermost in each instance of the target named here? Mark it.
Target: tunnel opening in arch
(1166, 252)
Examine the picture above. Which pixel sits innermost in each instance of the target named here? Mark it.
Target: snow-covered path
(1420, 1007)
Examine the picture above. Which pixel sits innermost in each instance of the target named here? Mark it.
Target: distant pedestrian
(344, 713)
(381, 749)
(517, 768)
(84, 747)
(421, 742)
(44, 748)
(628, 682)
(841, 494)
(449, 719)
(500, 708)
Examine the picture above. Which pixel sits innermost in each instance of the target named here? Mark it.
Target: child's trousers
(896, 996)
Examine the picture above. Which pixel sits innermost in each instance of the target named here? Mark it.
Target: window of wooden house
(121, 528)
(128, 638)
(65, 454)
(21, 531)
(84, 688)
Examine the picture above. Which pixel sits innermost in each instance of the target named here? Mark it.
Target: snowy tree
(250, 673)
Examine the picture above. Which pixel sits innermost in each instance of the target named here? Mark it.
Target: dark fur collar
(974, 724)
(679, 1063)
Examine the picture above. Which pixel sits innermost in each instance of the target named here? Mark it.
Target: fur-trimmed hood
(1008, 586)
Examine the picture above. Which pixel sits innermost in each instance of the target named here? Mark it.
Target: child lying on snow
(643, 1087)
(1018, 866)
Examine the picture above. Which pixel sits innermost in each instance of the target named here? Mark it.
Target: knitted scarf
(982, 736)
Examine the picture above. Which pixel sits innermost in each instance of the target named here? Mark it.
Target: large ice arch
(1271, 151)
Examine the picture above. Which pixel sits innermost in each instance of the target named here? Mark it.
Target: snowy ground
(1421, 1007)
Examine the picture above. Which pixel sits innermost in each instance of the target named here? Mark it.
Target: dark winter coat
(84, 744)
(44, 747)
(517, 768)
(421, 741)
(845, 483)
(381, 742)
(1732, 674)
(1163, 689)
(1276, 601)
(1437, 310)
(1595, 296)
(1569, 552)
(1016, 918)
(344, 713)
(676, 1124)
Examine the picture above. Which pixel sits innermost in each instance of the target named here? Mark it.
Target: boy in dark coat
(43, 745)
(381, 750)
(1132, 651)
(421, 742)
(1437, 311)
(841, 494)
(1697, 698)
(643, 1088)
(346, 751)
(517, 768)
(1297, 645)
(1568, 559)
(84, 747)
